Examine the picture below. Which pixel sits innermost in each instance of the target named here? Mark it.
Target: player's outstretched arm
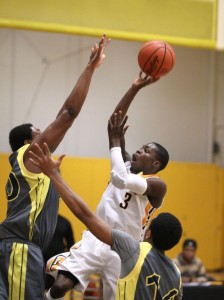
(55, 132)
(76, 99)
(43, 160)
(126, 101)
(129, 96)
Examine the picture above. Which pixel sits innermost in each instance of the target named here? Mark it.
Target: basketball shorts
(22, 272)
(89, 256)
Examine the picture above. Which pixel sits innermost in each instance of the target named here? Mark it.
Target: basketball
(156, 58)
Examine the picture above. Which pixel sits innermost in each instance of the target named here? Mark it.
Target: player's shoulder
(157, 181)
(122, 236)
(123, 241)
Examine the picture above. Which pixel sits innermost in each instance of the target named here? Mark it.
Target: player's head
(189, 248)
(21, 135)
(164, 231)
(150, 158)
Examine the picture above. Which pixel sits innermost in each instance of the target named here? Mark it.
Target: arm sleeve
(121, 178)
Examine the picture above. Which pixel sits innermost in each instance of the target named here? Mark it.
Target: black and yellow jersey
(32, 204)
(146, 273)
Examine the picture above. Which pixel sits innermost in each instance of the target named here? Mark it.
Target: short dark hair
(19, 134)
(162, 155)
(190, 243)
(166, 231)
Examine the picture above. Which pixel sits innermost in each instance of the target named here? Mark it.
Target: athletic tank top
(125, 210)
(32, 204)
(154, 277)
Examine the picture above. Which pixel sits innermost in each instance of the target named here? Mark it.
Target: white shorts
(89, 256)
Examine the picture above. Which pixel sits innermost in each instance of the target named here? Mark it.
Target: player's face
(144, 160)
(189, 253)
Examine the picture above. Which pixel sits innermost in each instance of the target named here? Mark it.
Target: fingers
(33, 155)
(147, 78)
(34, 158)
(104, 42)
(155, 79)
(38, 150)
(125, 128)
(97, 55)
(61, 157)
(124, 121)
(94, 50)
(143, 76)
(46, 149)
(39, 154)
(36, 163)
(109, 124)
(118, 120)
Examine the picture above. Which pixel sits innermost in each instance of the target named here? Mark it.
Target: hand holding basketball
(156, 58)
(144, 80)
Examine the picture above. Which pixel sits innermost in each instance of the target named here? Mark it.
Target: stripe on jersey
(38, 192)
(17, 271)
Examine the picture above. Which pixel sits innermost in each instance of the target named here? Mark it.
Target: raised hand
(97, 52)
(144, 80)
(117, 128)
(44, 161)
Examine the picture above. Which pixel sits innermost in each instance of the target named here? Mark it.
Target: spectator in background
(190, 266)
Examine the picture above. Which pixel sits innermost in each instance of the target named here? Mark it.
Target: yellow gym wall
(195, 196)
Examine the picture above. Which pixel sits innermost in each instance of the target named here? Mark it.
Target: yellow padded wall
(181, 22)
(88, 177)
(195, 196)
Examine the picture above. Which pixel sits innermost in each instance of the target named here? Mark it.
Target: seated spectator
(190, 266)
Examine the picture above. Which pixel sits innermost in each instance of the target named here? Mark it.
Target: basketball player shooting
(134, 193)
(146, 272)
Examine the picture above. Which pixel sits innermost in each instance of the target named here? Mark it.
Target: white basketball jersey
(125, 210)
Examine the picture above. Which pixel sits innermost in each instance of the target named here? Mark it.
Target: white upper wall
(38, 71)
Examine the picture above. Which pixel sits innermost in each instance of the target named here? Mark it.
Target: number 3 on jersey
(127, 198)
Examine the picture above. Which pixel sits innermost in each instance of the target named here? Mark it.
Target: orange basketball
(156, 58)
